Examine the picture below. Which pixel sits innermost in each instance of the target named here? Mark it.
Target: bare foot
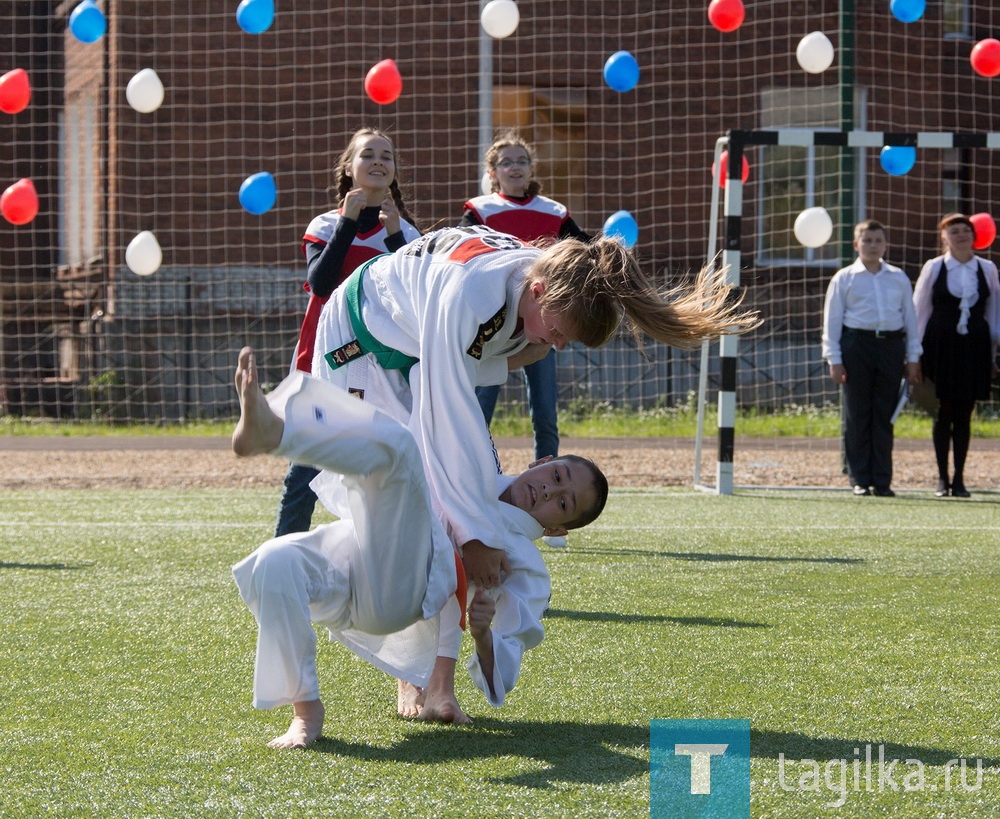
(443, 707)
(259, 429)
(409, 699)
(306, 727)
(440, 703)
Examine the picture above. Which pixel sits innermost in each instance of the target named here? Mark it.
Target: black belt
(876, 333)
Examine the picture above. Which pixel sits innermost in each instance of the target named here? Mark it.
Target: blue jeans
(298, 501)
(542, 394)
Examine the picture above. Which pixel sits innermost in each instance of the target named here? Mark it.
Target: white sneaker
(555, 542)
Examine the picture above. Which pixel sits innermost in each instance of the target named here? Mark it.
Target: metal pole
(847, 170)
(710, 257)
(485, 87)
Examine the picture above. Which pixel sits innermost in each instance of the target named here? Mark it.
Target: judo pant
(369, 572)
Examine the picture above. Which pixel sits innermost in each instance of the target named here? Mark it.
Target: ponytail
(600, 285)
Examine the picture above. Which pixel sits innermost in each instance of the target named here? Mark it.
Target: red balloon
(985, 57)
(384, 83)
(985, 228)
(726, 15)
(19, 203)
(15, 91)
(724, 175)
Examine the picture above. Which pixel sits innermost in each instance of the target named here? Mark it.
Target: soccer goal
(777, 361)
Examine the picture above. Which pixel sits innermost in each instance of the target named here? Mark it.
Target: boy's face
(871, 246)
(554, 493)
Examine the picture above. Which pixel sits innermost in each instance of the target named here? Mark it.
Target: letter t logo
(701, 764)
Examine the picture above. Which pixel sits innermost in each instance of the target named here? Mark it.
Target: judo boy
(506, 621)
(377, 577)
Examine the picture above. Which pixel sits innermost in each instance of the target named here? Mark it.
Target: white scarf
(969, 294)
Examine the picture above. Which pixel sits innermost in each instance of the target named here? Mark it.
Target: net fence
(85, 337)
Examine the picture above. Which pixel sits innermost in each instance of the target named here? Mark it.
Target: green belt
(364, 342)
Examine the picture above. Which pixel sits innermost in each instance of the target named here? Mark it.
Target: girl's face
(374, 164)
(540, 325)
(512, 171)
(958, 238)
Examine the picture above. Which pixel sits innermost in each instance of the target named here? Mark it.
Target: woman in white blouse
(957, 301)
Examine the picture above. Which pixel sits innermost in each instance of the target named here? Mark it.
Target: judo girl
(415, 332)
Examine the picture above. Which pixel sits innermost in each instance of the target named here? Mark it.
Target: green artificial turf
(834, 624)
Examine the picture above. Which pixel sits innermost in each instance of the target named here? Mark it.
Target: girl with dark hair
(370, 219)
(957, 300)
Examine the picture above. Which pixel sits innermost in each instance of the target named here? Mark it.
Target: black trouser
(874, 368)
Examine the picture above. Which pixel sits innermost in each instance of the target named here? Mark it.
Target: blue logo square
(699, 769)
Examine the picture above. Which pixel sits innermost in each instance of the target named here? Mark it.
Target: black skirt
(959, 365)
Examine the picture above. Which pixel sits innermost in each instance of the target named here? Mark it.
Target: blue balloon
(258, 193)
(621, 71)
(255, 16)
(908, 11)
(622, 227)
(897, 160)
(87, 22)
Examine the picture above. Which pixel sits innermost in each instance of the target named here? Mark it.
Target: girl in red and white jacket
(370, 219)
(515, 206)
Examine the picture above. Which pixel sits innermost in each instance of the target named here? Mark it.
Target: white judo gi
(449, 299)
(376, 578)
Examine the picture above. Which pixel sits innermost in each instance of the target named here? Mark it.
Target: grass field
(575, 421)
(831, 624)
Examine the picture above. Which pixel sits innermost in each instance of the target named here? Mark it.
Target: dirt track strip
(34, 462)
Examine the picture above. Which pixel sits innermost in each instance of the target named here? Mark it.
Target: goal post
(737, 142)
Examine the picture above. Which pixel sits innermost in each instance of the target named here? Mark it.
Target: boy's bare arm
(481, 612)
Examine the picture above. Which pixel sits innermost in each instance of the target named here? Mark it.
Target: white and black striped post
(729, 344)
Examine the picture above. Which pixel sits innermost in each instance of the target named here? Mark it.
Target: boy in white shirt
(869, 338)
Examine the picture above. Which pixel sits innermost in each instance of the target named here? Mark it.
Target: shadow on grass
(709, 557)
(769, 744)
(59, 566)
(719, 558)
(615, 617)
(567, 752)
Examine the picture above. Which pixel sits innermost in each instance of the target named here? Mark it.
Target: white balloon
(486, 184)
(815, 52)
(500, 18)
(143, 254)
(144, 91)
(813, 227)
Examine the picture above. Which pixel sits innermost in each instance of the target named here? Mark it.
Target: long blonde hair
(600, 285)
